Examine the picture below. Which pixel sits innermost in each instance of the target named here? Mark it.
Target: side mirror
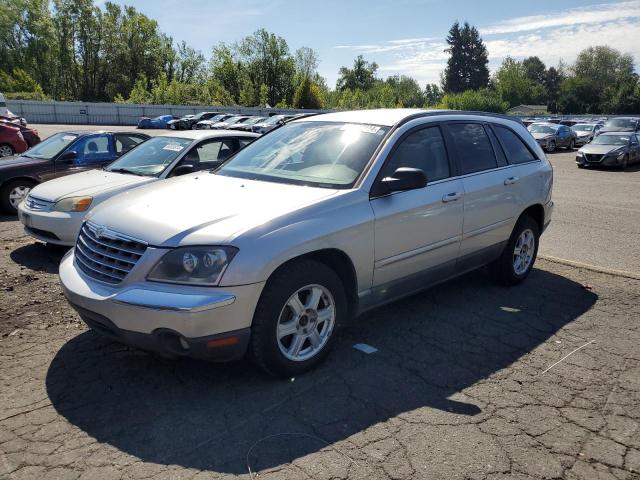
(403, 179)
(68, 156)
(183, 169)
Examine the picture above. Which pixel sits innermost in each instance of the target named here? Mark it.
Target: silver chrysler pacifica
(309, 226)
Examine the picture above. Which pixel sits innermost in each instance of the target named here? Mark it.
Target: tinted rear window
(473, 147)
(516, 150)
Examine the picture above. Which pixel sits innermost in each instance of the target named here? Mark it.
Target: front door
(418, 231)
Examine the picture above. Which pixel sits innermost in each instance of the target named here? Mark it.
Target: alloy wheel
(5, 151)
(523, 251)
(306, 323)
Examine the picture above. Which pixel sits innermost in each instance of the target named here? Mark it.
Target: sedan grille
(593, 158)
(105, 255)
(38, 204)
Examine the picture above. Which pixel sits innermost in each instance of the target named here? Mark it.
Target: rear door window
(125, 142)
(93, 149)
(516, 150)
(473, 147)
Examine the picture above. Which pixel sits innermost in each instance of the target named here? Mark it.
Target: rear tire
(519, 254)
(290, 334)
(551, 147)
(12, 193)
(625, 163)
(572, 144)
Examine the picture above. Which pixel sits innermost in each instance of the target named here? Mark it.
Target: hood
(91, 182)
(584, 134)
(540, 136)
(19, 161)
(600, 149)
(201, 208)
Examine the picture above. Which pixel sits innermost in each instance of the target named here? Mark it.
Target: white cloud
(558, 35)
(592, 14)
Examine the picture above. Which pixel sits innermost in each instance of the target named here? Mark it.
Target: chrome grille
(106, 255)
(38, 204)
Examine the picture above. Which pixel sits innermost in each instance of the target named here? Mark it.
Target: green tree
(432, 95)
(475, 100)
(307, 95)
(467, 66)
(361, 77)
(535, 70)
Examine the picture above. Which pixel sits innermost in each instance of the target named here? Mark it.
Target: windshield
(611, 140)
(582, 127)
(52, 146)
(621, 123)
(151, 157)
(542, 129)
(251, 121)
(321, 154)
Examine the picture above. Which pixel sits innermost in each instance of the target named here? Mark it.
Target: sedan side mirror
(68, 156)
(183, 169)
(403, 179)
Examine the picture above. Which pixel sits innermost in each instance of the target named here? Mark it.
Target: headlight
(193, 265)
(73, 204)
(579, 154)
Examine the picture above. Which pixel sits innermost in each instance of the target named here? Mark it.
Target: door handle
(451, 197)
(511, 180)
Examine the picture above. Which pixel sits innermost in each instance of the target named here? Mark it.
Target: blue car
(157, 122)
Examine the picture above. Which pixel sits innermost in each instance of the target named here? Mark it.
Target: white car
(53, 211)
(320, 220)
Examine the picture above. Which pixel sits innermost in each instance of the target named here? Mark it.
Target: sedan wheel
(572, 144)
(13, 193)
(6, 150)
(551, 146)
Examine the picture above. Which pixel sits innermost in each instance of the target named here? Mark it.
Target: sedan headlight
(193, 265)
(73, 204)
(579, 153)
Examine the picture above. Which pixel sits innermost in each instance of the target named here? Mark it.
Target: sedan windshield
(151, 157)
(273, 120)
(52, 146)
(542, 129)
(321, 154)
(620, 123)
(582, 127)
(611, 140)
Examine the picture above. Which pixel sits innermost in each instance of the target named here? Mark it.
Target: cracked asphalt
(456, 390)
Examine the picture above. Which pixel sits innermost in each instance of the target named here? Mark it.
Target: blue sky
(405, 36)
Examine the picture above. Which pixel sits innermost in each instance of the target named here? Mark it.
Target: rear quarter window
(514, 147)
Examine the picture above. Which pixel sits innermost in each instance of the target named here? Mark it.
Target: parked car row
(217, 120)
(219, 242)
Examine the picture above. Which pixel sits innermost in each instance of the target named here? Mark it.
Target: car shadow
(39, 257)
(431, 347)
(7, 218)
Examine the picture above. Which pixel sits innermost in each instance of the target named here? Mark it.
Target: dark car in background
(610, 149)
(60, 154)
(11, 140)
(188, 122)
(551, 136)
(621, 124)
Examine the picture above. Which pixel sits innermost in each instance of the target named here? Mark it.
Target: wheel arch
(536, 212)
(19, 177)
(338, 261)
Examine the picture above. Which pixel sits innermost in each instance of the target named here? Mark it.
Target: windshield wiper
(125, 170)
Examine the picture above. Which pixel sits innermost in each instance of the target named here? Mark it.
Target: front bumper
(59, 228)
(603, 160)
(201, 322)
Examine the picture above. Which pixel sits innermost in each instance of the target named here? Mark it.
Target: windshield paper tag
(173, 147)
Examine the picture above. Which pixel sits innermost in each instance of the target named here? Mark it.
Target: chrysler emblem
(100, 231)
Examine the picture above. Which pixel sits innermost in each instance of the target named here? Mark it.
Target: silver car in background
(320, 220)
(585, 132)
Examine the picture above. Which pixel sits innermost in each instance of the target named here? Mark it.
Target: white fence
(84, 113)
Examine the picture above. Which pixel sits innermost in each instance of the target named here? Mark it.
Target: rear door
(490, 204)
(123, 142)
(418, 231)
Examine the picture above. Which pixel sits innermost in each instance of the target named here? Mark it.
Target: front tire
(6, 150)
(551, 146)
(296, 319)
(519, 255)
(572, 144)
(625, 163)
(13, 193)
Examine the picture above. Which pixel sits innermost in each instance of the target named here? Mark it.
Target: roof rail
(433, 113)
